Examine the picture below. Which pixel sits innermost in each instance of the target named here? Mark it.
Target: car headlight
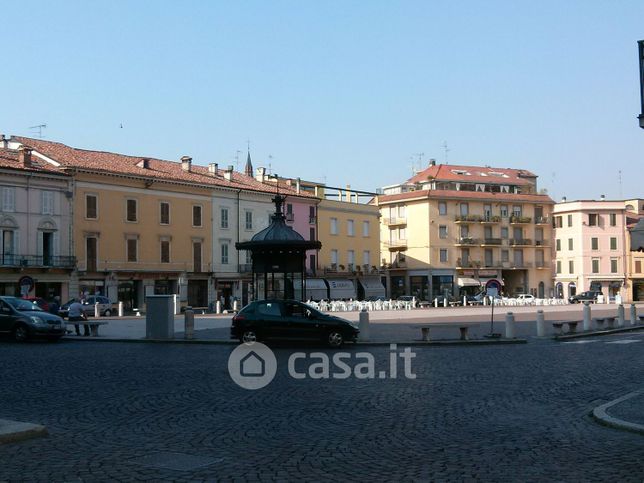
(38, 321)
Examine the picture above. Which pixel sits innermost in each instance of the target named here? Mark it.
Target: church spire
(248, 170)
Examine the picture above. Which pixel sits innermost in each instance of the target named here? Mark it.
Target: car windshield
(24, 305)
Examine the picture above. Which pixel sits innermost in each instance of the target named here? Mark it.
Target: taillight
(238, 317)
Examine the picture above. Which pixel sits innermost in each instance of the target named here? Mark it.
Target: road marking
(580, 341)
(625, 341)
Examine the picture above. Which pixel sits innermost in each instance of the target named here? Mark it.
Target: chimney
(144, 163)
(228, 173)
(5, 142)
(24, 156)
(602, 198)
(186, 163)
(432, 162)
(213, 168)
(260, 174)
(563, 199)
(297, 185)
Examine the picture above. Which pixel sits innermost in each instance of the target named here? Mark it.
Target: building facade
(450, 229)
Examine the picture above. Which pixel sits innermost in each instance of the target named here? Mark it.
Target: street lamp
(640, 44)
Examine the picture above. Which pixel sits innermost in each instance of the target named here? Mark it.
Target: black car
(289, 319)
(589, 296)
(24, 319)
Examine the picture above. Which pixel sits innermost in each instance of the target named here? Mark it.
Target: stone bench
(599, 321)
(462, 327)
(572, 326)
(93, 325)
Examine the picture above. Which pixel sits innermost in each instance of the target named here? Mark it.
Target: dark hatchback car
(289, 319)
(24, 319)
(589, 296)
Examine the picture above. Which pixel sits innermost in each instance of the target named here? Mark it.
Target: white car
(526, 298)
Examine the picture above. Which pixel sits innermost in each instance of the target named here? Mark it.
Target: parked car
(289, 319)
(441, 300)
(24, 319)
(104, 306)
(526, 298)
(588, 296)
(40, 302)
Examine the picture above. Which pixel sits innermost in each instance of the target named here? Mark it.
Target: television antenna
(39, 129)
(620, 184)
(270, 164)
(237, 153)
(447, 150)
(414, 168)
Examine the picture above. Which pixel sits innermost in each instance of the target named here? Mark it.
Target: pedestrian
(54, 306)
(76, 314)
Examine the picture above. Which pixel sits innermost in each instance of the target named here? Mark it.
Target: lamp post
(640, 44)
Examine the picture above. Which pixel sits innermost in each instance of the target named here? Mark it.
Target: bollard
(485, 300)
(189, 323)
(620, 316)
(218, 307)
(97, 311)
(120, 309)
(235, 306)
(587, 319)
(464, 300)
(436, 302)
(541, 324)
(363, 325)
(444, 301)
(509, 325)
(633, 315)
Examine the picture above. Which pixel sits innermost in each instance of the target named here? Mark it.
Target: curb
(600, 414)
(415, 343)
(580, 335)
(13, 431)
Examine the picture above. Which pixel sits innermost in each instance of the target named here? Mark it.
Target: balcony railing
(541, 243)
(392, 245)
(541, 264)
(468, 218)
(520, 220)
(517, 265)
(394, 220)
(492, 241)
(542, 220)
(245, 268)
(37, 261)
(467, 240)
(515, 242)
(487, 218)
(460, 263)
(313, 220)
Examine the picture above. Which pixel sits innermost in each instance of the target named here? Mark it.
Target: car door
(7, 317)
(268, 319)
(302, 323)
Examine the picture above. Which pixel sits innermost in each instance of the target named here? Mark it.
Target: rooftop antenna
(620, 184)
(420, 162)
(237, 153)
(447, 150)
(39, 128)
(270, 165)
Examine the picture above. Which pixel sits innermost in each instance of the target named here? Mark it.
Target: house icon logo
(252, 366)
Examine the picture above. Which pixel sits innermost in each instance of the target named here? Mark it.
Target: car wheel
(20, 333)
(108, 312)
(335, 339)
(248, 337)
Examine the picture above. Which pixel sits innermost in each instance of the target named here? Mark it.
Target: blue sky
(345, 92)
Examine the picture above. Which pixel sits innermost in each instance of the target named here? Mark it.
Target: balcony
(467, 219)
(541, 243)
(394, 221)
(466, 240)
(37, 261)
(313, 220)
(542, 265)
(396, 245)
(520, 242)
(492, 241)
(489, 219)
(245, 268)
(290, 217)
(516, 265)
(520, 220)
(542, 220)
(460, 263)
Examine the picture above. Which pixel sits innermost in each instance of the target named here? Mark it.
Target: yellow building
(451, 229)
(635, 250)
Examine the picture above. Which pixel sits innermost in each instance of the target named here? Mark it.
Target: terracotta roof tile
(465, 195)
(477, 174)
(9, 159)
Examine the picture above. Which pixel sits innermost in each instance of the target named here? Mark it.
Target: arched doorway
(542, 290)
(572, 289)
(559, 290)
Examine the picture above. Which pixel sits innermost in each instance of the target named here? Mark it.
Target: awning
(467, 282)
(316, 289)
(340, 288)
(372, 286)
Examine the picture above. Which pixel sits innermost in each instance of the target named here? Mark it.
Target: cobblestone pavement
(124, 411)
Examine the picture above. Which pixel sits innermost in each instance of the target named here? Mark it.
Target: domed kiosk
(278, 254)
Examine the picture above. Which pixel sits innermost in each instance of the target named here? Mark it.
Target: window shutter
(40, 241)
(56, 242)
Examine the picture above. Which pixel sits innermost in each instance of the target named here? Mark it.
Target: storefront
(370, 288)
(442, 285)
(638, 290)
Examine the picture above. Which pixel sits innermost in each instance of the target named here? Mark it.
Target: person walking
(76, 314)
(54, 306)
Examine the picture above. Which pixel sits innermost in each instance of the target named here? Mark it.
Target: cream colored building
(451, 229)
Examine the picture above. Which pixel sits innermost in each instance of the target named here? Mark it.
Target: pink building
(590, 247)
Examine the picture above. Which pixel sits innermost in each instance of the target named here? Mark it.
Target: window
(638, 266)
(593, 219)
(132, 248)
(334, 257)
(504, 211)
(613, 219)
(465, 209)
(613, 265)
(558, 244)
(312, 217)
(595, 265)
(196, 215)
(249, 257)
(505, 234)
(570, 244)
(505, 255)
(366, 257)
(558, 266)
(401, 211)
(47, 202)
(443, 255)
(224, 218)
(9, 199)
(442, 208)
(224, 253)
(571, 266)
(164, 213)
(365, 228)
(442, 231)
(165, 251)
(350, 228)
(196, 256)
(516, 210)
(312, 234)
(131, 210)
(249, 220)
(334, 226)
(594, 243)
(91, 207)
(402, 233)
(558, 221)
(613, 243)
(351, 258)
(569, 220)
(91, 247)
